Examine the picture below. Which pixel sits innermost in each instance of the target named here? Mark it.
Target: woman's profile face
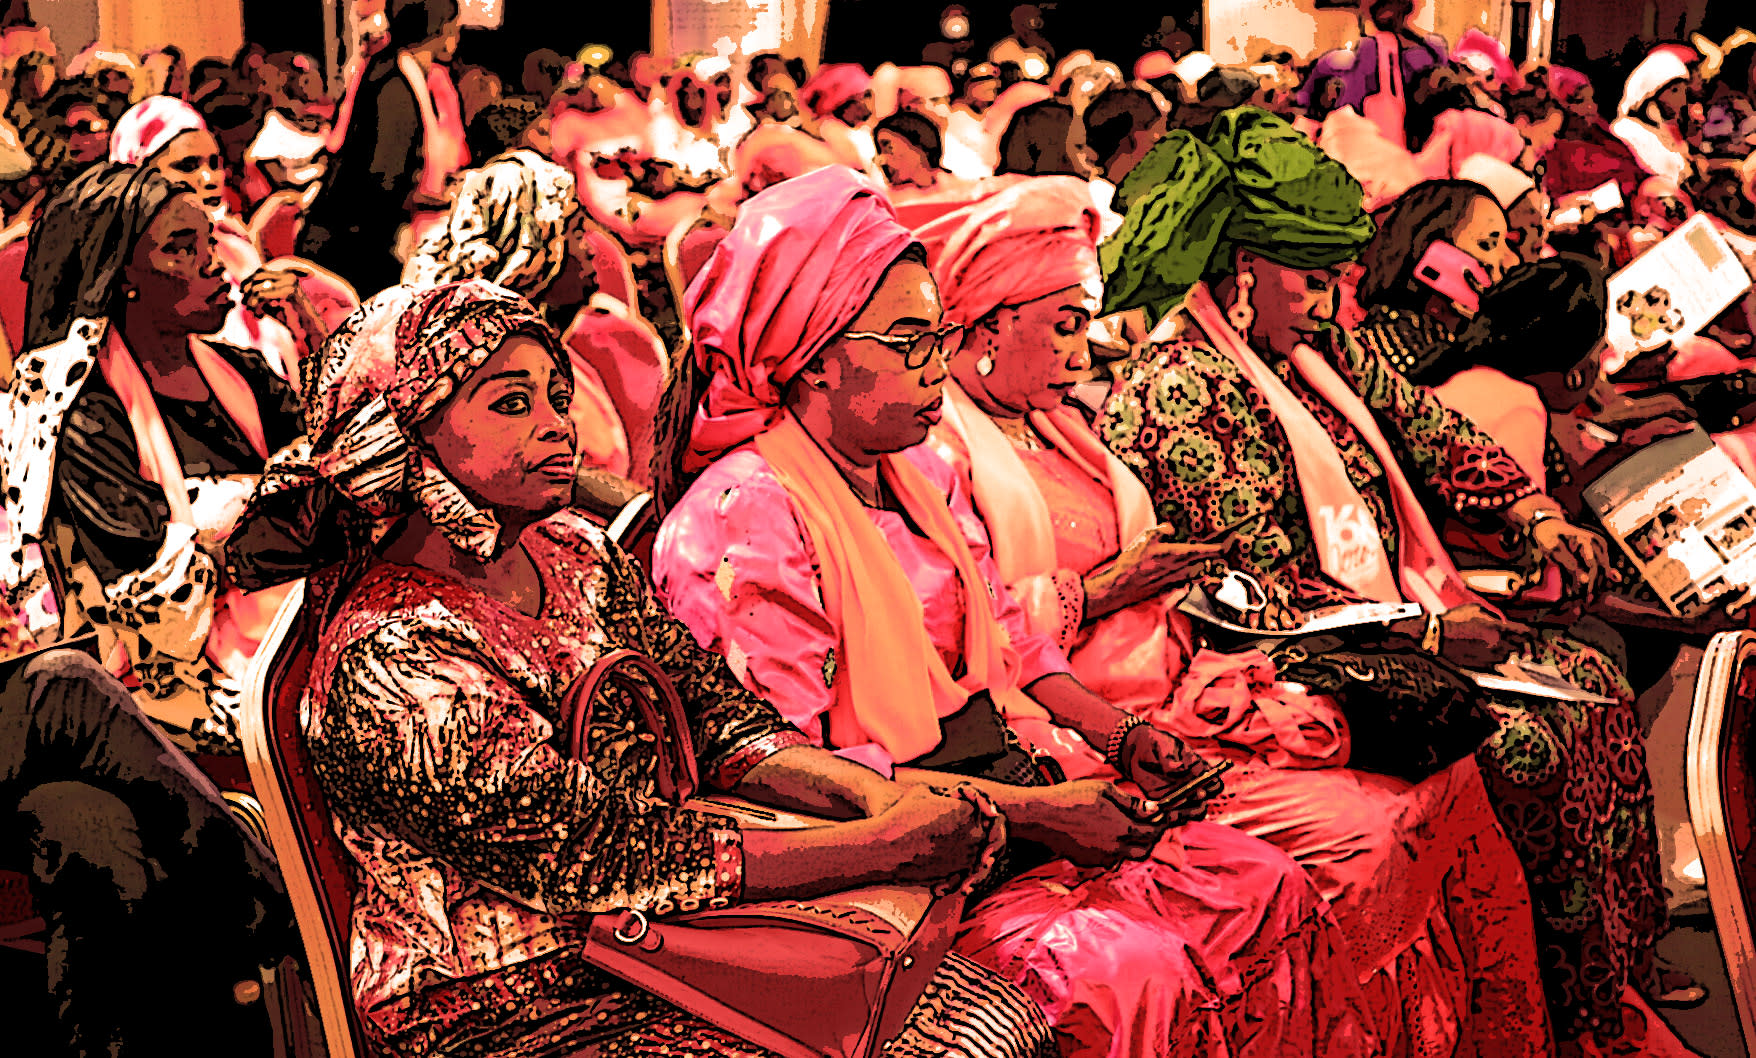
(903, 162)
(1527, 227)
(877, 403)
(1289, 301)
(1482, 234)
(504, 436)
(192, 161)
(173, 271)
(1039, 349)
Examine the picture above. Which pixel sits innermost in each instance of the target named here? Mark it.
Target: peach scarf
(893, 687)
(1346, 536)
(1006, 495)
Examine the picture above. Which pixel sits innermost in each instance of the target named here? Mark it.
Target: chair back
(1722, 805)
(319, 875)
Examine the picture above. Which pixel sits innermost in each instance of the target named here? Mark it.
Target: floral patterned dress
(1568, 781)
(433, 716)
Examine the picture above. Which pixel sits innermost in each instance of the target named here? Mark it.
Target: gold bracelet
(1432, 640)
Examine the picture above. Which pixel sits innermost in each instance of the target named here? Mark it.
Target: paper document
(1672, 291)
(1684, 512)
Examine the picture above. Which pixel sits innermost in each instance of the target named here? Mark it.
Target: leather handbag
(834, 976)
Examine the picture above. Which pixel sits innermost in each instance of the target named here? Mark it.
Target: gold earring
(131, 294)
(1242, 314)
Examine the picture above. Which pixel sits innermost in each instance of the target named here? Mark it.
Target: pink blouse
(732, 562)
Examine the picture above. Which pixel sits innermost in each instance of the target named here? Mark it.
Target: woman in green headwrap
(1261, 414)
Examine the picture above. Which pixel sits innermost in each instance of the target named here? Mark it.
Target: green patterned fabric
(1254, 183)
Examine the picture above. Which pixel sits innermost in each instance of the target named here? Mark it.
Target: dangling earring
(985, 366)
(1241, 315)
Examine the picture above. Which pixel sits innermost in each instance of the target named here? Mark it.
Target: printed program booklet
(1686, 515)
(1672, 291)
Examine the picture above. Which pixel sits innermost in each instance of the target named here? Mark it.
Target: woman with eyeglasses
(831, 558)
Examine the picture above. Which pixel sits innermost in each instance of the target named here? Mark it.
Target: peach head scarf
(1026, 242)
(796, 270)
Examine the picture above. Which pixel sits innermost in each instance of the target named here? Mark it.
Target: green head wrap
(1257, 183)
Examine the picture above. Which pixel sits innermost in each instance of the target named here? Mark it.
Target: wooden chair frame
(1728, 655)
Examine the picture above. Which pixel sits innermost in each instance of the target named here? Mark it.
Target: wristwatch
(1119, 738)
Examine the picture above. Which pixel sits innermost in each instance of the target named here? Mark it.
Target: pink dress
(1216, 945)
(1460, 917)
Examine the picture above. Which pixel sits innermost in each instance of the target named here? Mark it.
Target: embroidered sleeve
(1206, 448)
(1468, 471)
(419, 738)
(734, 730)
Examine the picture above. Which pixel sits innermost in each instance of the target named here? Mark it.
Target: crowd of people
(1005, 423)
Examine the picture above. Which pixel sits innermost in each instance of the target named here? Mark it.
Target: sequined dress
(432, 717)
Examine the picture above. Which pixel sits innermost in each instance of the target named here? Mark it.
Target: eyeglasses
(916, 349)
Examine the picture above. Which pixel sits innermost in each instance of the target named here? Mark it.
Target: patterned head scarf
(797, 268)
(1256, 183)
(328, 499)
(150, 124)
(508, 226)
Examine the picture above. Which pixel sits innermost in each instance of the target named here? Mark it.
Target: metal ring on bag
(640, 922)
(1363, 675)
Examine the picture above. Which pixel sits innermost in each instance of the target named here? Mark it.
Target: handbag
(833, 976)
(1409, 715)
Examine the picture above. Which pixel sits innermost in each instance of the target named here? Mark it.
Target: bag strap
(653, 692)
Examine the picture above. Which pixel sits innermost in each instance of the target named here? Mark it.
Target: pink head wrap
(1565, 83)
(1154, 65)
(1025, 242)
(150, 124)
(1475, 42)
(834, 86)
(796, 269)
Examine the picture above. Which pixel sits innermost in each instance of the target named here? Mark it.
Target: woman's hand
(1092, 823)
(1157, 761)
(1472, 637)
(1146, 569)
(274, 293)
(936, 836)
(1582, 556)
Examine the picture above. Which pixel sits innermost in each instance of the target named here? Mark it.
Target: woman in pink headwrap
(283, 309)
(1072, 524)
(836, 564)
(841, 97)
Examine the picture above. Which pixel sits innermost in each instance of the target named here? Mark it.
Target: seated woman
(168, 135)
(133, 445)
(516, 222)
(463, 627)
(829, 569)
(909, 151)
(1323, 452)
(1407, 323)
(1074, 538)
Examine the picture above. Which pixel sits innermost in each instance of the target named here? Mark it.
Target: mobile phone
(1448, 270)
(1188, 789)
